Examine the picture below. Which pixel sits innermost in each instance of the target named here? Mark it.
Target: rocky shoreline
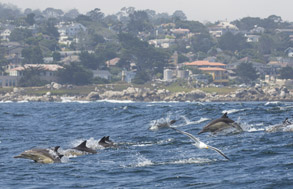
(148, 95)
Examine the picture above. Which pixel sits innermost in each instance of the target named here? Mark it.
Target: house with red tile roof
(216, 69)
(48, 72)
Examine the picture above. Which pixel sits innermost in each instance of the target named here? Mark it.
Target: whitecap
(83, 101)
(232, 111)
(66, 99)
(116, 101)
(22, 101)
(142, 161)
(273, 102)
(191, 161)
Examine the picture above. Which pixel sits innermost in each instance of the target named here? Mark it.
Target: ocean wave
(232, 111)
(272, 103)
(191, 161)
(116, 101)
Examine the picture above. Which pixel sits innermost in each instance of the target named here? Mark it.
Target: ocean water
(146, 157)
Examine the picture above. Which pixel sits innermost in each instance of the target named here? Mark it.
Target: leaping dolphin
(42, 155)
(285, 126)
(106, 142)
(220, 124)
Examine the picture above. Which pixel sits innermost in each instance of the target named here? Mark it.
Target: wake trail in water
(188, 122)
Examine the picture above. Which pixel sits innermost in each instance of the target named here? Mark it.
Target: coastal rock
(93, 96)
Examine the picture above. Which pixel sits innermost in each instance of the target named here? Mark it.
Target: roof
(48, 67)
(204, 63)
(113, 61)
(212, 69)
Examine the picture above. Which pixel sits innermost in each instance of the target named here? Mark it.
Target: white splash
(66, 99)
(269, 103)
(232, 111)
(192, 161)
(188, 122)
(22, 101)
(116, 101)
(142, 161)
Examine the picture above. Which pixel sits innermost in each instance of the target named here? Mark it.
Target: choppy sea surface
(146, 157)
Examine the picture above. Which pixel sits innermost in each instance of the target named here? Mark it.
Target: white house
(73, 29)
(102, 74)
(252, 38)
(5, 35)
(127, 76)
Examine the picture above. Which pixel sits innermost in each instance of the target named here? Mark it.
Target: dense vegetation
(125, 34)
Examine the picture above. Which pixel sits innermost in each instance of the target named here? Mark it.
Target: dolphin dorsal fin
(103, 139)
(82, 145)
(107, 138)
(56, 148)
(224, 115)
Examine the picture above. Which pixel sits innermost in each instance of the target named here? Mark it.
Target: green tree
(141, 77)
(49, 28)
(202, 42)
(56, 56)
(20, 34)
(146, 57)
(179, 15)
(32, 55)
(31, 77)
(286, 73)
(30, 19)
(193, 26)
(139, 21)
(266, 44)
(75, 74)
(90, 60)
(96, 14)
(246, 72)
(231, 42)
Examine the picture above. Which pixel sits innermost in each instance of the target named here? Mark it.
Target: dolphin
(42, 155)
(285, 126)
(220, 124)
(82, 147)
(166, 124)
(106, 142)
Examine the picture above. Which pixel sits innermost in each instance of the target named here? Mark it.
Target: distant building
(164, 43)
(252, 38)
(5, 35)
(204, 63)
(220, 75)
(102, 74)
(216, 69)
(8, 81)
(168, 74)
(112, 62)
(221, 28)
(180, 31)
(127, 76)
(47, 71)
